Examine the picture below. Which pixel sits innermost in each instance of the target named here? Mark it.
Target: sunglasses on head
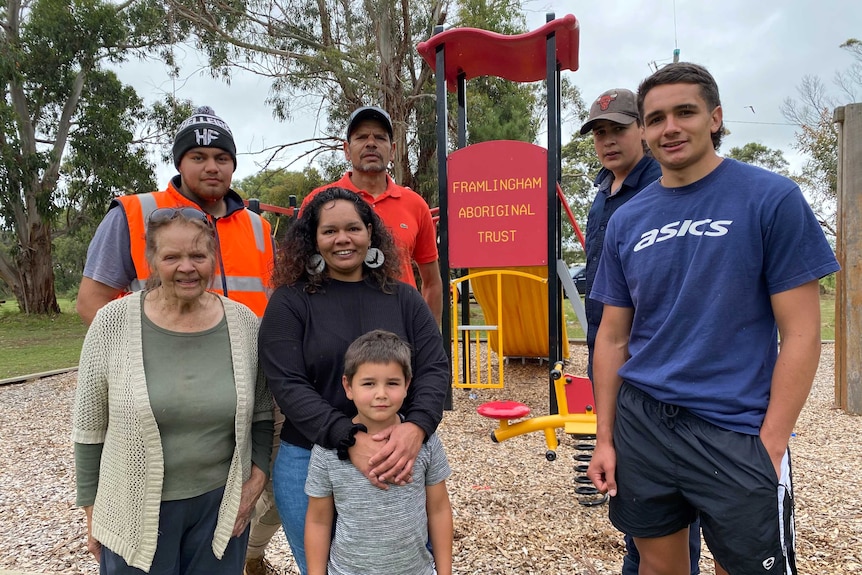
(162, 215)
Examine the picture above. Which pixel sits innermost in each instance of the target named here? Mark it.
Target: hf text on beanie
(203, 129)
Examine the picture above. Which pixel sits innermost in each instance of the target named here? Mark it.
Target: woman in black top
(335, 280)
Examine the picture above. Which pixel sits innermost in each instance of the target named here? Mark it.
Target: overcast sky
(758, 51)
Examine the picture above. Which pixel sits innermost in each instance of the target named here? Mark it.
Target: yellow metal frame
(464, 332)
(572, 423)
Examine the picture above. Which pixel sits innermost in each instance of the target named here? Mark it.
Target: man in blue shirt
(695, 402)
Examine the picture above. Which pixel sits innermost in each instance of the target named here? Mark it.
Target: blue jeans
(288, 485)
(632, 560)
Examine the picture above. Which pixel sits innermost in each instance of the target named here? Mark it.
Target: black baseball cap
(369, 113)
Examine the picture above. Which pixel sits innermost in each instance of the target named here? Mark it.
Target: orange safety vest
(243, 243)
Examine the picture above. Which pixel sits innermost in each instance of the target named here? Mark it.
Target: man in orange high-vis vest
(205, 156)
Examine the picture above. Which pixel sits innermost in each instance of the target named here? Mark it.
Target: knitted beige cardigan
(112, 407)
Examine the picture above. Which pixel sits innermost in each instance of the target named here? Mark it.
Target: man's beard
(372, 168)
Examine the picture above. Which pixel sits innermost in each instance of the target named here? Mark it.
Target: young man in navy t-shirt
(699, 275)
(626, 170)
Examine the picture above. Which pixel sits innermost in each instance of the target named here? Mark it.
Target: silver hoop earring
(316, 265)
(374, 258)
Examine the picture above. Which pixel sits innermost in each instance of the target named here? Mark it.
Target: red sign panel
(498, 205)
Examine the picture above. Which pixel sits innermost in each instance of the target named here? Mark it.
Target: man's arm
(432, 288)
(92, 295)
(318, 533)
(611, 352)
(439, 512)
(797, 313)
(109, 263)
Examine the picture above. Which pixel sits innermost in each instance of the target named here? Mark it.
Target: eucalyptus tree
(817, 136)
(326, 57)
(757, 154)
(71, 134)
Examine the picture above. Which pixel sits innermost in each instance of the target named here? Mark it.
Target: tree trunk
(34, 289)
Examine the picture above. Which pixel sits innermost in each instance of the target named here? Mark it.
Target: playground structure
(576, 415)
(500, 213)
(524, 288)
(499, 201)
(500, 218)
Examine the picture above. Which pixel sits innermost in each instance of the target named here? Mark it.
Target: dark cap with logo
(203, 129)
(618, 105)
(369, 113)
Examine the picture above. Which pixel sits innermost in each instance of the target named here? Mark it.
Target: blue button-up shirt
(604, 205)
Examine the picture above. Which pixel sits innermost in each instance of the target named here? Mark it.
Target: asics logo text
(678, 229)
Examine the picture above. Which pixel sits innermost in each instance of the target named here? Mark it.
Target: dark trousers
(184, 546)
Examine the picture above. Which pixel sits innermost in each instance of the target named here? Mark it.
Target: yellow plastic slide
(525, 311)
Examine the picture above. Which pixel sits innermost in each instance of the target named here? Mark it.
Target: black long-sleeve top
(303, 338)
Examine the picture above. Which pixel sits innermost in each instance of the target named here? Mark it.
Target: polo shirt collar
(605, 177)
(392, 189)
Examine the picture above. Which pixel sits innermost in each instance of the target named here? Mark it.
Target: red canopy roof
(519, 58)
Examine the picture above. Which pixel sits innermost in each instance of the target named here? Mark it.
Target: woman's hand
(394, 462)
(251, 490)
(93, 546)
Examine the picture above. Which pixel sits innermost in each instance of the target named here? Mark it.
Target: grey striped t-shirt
(377, 532)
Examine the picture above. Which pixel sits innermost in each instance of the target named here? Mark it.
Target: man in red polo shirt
(369, 148)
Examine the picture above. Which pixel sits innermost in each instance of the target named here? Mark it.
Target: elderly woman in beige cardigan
(172, 420)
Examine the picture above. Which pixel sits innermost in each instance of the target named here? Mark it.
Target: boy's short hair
(685, 73)
(380, 347)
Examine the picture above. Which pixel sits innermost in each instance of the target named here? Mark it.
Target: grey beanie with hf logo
(203, 129)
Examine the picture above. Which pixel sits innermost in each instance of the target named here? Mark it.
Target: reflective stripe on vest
(249, 286)
(148, 206)
(234, 284)
(257, 228)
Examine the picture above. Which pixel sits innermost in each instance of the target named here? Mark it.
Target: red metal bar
(571, 217)
(275, 209)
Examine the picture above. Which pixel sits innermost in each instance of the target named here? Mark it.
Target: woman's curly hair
(292, 258)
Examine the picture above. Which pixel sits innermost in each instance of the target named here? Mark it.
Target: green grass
(574, 331)
(33, 344)
(827, 316)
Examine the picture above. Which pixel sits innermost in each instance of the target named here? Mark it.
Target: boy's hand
(602, 469)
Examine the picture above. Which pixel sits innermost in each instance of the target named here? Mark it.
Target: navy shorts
(184, 546)
(673, 467)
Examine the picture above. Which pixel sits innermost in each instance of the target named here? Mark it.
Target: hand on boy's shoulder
(387, 457)
(394, 462)
(362, 451)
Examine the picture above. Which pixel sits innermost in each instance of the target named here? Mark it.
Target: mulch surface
(515, 511)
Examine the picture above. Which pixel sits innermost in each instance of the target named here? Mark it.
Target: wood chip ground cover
(515, 512)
